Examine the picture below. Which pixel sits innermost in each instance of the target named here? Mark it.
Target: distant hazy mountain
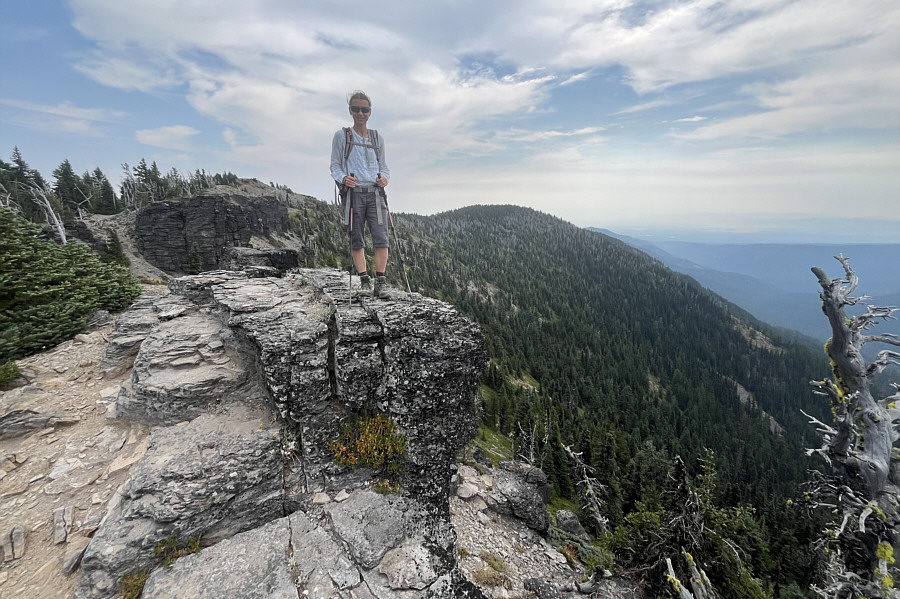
(774, 282)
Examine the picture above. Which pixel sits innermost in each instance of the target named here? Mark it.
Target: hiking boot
(365, 285)
(380, 288)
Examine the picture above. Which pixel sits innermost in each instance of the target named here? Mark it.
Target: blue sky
(774, 117)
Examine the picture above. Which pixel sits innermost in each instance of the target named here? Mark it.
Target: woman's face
(360, 110)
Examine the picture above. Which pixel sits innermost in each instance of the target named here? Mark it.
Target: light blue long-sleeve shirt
(364, 161)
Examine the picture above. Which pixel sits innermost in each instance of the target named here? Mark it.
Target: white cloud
(61, 118)
(457, 86)
(174, 137)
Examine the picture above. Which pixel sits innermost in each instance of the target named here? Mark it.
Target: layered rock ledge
(247, 381)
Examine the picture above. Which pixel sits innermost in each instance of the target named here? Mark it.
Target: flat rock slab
(250, 565)
(183, 366)
(216, 476)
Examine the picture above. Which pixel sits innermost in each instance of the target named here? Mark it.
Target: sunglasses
(363, 109)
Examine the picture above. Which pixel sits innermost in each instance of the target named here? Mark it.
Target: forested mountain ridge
(597, 323)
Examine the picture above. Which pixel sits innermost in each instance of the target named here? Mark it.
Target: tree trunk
(865, 495)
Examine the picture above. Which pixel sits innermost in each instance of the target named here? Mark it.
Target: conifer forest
(687, 417)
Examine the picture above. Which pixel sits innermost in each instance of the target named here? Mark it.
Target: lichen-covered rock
(250, 565)
(276, 366)
(370, 524)
(568, 522)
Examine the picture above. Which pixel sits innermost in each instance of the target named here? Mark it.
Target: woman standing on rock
(359, 168)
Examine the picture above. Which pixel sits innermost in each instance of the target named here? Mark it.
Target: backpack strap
(349, 143)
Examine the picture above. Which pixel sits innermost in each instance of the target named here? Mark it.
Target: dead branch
(590, 489)
(41, 196)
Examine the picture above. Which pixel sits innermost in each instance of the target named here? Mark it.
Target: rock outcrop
(172, 235)
(249, 379)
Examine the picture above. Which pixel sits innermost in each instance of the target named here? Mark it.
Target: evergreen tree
(116, 254)
(66, 189)
(106, 202)
(47, 291)
(194, 264)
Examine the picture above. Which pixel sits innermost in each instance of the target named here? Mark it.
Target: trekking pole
(350, 249)
(396, 241)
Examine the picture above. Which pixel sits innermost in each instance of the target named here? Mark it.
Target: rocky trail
(56, 481)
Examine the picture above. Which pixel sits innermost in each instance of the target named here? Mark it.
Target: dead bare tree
(589, 488)
(88, 199)
(6, 199)
(863, 494)
(528, 444)
(41, 197)
(129, 187)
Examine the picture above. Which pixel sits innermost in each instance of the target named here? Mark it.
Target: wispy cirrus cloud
(60, 118)
(510, 86)
(173, 137)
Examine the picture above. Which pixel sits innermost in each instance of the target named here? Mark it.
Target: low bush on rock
(8, 373)
(133, 584)
(371, 442)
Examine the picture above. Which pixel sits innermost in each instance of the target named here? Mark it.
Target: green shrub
(47, 291)
(133, 584)
(169, 549)
(488, 577)
(116, 254)
(8, 373)
(493, 560)
(386, 487)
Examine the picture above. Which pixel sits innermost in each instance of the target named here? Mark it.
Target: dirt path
(56, 481)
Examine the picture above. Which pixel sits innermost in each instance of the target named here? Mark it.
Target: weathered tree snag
(702, 589)
(864, 494)
(589, 488)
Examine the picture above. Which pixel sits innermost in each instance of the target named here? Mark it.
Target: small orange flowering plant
(371, 442)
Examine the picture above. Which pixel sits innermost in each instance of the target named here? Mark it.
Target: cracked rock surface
(247, 380)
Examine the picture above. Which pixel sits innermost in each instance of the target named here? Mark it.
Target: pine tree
(194, 263)
(106, 201)
(116, 254)
(66, 189)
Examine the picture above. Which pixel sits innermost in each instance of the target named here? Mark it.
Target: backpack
(348, 145)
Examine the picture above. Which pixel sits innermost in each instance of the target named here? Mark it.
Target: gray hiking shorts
(365, 207)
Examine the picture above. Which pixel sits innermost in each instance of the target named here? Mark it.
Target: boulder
(521, 491)
(568, 522)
